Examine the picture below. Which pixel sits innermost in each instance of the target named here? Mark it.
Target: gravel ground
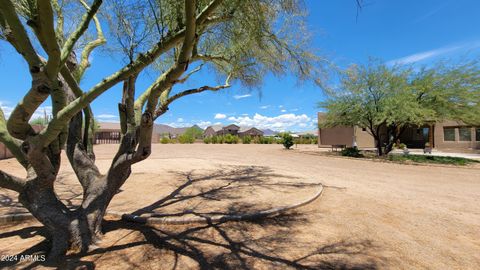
(372, 215)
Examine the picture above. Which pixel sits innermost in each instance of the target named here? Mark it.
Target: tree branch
(48, 37)
(11, 182)
(164, 105)
(84, 62)
(17, 35)
(60, 21)
(142, 61)
(82, 27)
(11, 143)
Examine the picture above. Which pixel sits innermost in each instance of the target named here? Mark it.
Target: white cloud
(421, 56)
(178, 124)
(220, 116)
(242, 96)
(281, 122)
(204, 124)
(180, 120)
(107, 116)
(283, 110)
(264, 107)
(39, 113)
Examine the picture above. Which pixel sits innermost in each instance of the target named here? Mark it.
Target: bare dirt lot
(372, 215)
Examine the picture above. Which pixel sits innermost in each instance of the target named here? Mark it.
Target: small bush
(186, 138)
(230, 139)
(246, 139)
(287, 140)
(207, 140)
(165, 140)
(351, 152)
(400, 146)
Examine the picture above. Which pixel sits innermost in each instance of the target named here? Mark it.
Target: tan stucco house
(446, 135)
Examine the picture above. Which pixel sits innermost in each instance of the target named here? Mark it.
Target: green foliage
(214, 139)
(246, 139)
(231, 139)
(287, 140)
(194, 132)
(377, 95)
(307, 139)
(207, 140)
(399, 146)
(186, 138)
(165, 140)
(432, 159)
(351, 152)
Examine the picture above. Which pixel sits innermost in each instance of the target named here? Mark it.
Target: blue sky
(403, 32)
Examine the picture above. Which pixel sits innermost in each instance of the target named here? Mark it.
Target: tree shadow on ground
(277, 242)
(227, 183)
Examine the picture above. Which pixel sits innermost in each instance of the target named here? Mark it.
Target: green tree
(287, 140)
(194, 132)
(240, 41)
(386, 100)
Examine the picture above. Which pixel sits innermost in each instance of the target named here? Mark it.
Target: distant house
(110, 132)
(219, 130)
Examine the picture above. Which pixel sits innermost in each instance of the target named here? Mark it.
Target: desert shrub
(207, 140)
(399, 146)
(194, 132)
(351, 152)
(186, 138)
(165, 140)
(246, 139)
(230, 139)
(287, 140)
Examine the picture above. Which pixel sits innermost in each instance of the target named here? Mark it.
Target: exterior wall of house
(231, 129)
(335, 136)
(415, 137)
(364, 139)
(457, 143)
(344, 136)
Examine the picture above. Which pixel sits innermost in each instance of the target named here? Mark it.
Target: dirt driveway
(371, 215)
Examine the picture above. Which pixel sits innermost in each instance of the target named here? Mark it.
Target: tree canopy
(240, 41)
(388, 99)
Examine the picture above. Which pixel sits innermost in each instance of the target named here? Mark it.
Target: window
(448, 134)
(364, 129)
(465, 134)
(477, 136)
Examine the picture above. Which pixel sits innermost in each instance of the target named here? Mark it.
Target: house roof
(231, 125)
(108, 126)
(246, 128)
(216, 127)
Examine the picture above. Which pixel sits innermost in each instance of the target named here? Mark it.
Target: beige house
(219, 130)
(447, 135)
